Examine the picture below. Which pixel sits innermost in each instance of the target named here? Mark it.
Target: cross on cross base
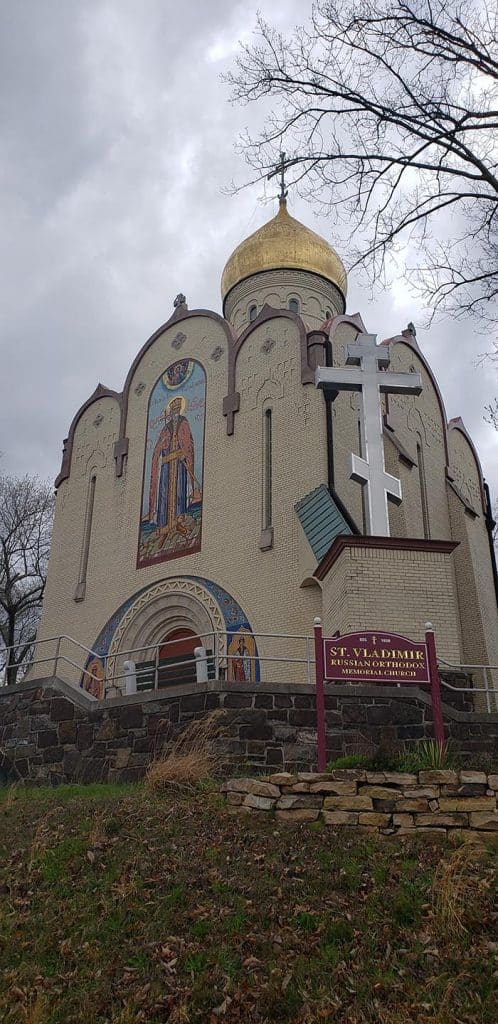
(366, 371)
(280, 169)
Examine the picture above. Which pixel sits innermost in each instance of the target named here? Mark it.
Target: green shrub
(427, 755)
(349, 761)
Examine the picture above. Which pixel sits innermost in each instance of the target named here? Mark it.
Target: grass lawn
(120, 906)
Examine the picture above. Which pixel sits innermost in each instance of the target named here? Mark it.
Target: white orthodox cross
(366, 372)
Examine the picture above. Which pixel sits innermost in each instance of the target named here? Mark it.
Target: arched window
(267, 470)
(253, 312)
(87, 534)
(294, 305)
(328, 314)
(364, 517)
(423, 490)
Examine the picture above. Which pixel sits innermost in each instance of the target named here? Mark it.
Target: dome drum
(318, 298)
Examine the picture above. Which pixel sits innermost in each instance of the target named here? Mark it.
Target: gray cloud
(116, 143)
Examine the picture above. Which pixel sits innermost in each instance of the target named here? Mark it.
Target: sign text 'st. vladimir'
(375, 657)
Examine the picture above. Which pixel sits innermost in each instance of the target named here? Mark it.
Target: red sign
(371, 657)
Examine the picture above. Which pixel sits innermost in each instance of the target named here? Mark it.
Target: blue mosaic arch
(241, 643)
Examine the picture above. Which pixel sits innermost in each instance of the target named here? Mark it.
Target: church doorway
(176, 660)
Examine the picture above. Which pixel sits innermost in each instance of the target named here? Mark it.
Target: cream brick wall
(414, 419)
(265, 583)
(420, 419)
(472, 558)
(420, 588)
(363, 589)
(318, 298)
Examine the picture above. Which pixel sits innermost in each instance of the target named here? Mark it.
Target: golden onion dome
(283, 244)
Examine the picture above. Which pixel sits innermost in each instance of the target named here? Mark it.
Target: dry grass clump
(191, 758)
(454, 890)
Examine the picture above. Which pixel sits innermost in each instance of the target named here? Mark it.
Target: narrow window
(364, 518)
(85, 550)
(267, 471)
(423, 491)
(253, 312)
(328, 314)
(294, 305)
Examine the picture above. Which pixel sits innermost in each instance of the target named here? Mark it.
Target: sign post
(320, 699)
(437, 708)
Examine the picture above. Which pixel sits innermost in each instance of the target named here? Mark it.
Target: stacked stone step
(386, 802)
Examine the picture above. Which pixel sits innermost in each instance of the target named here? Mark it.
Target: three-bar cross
(280, 169)
(366, 372)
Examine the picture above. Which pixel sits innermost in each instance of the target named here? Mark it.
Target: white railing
(485, 674)
(290, 655)
(275, 658)
(52, 660)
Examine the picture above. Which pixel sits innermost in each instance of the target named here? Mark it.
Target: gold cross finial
(280, 169)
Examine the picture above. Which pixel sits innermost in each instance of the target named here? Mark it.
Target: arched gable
(409, 339)
(354, 320)
(231, 402)
(67, 450)
(180, 314)
(456, 428)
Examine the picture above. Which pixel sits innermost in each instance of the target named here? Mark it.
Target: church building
(260, 467)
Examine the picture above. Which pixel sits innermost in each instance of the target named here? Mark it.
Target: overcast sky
(116, 143)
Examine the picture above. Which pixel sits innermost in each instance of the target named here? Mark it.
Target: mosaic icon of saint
(241, 663)
(93, 678)
(172, 482)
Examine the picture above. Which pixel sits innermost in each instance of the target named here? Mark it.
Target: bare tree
(388, 111)
(491, 413)
(26, 516)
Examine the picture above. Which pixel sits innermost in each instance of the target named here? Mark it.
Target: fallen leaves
(173, 912)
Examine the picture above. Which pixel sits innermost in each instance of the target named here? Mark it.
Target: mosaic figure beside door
(242, 661)
(171, 520)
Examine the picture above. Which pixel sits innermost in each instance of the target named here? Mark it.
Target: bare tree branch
(26, 515)
(387, 112)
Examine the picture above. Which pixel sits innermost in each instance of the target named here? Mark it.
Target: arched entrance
(145, 623)
(176, 662)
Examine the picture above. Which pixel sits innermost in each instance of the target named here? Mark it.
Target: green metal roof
(321, 520)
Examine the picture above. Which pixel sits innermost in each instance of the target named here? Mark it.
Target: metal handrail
(457, 668)
(53, 639)
(221, 657)
(486, 689)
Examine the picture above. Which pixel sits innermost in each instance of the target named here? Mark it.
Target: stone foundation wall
(52, 732)
(386, 802)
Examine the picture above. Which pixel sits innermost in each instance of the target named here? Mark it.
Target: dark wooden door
(176, 657)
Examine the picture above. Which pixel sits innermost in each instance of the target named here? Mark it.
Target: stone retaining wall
(52, 732)
(386, 802)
